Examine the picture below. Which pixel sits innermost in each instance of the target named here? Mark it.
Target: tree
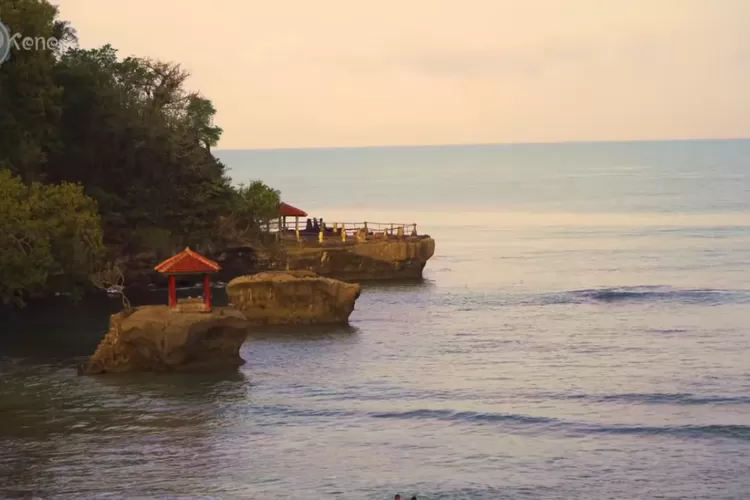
(140, 143)
(50, 238)
(29, 98)
(71, 222)
(128, 130)
(254, 205)
(25, 253)
(111, 279)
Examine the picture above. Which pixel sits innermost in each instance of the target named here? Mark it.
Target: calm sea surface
(582, 332)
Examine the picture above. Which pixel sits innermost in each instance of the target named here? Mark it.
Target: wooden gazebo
(286, 210)
(188, 262)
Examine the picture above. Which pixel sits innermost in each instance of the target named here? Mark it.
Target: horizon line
(479, 144)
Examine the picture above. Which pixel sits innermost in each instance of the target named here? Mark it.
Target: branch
(110, 279)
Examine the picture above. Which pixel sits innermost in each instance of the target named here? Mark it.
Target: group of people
(315, 226)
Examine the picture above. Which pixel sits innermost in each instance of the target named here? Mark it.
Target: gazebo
(188, 262)
(286, 210)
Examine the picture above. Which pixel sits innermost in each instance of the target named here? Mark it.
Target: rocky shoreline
(190, 337)
(350, 261)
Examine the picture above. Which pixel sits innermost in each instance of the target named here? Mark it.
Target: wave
(640, 294)
(741, 432)
(516, 421)
(465, 416)
(649, 398)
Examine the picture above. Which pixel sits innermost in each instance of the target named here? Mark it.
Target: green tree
(140, 143)
(29, 98)
(128, 130)
(253, 206)
(70, 220)
(50, 238)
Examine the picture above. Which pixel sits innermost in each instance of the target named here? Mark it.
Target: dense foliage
(134, 143)
(50, 236)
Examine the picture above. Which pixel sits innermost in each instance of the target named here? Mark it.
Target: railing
(344, 231)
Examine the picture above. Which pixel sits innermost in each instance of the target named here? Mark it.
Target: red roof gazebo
(286, 210)
(188, 262)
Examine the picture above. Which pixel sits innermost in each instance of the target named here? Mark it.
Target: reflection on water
(396, 286)
(307, 333)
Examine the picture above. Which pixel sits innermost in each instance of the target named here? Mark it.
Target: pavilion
(184, 263)
(286, 210)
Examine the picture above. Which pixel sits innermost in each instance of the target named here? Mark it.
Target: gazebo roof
(187, 262)
(286, 210)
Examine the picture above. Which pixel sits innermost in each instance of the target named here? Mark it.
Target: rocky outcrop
(292, 297)
(354, 260)
(160, 339)
(373, 259)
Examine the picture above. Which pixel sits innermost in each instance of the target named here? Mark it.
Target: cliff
(160, 339)
(353, 261)
(292, 297)
(358, 261)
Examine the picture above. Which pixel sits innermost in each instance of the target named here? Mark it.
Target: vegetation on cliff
(99, 152)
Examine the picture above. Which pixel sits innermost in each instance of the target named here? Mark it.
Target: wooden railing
(344, 231)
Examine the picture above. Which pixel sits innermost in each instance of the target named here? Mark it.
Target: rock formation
(374, 259)
(292, 297)
(160, 339)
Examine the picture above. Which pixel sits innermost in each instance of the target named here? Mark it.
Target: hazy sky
(296, 73)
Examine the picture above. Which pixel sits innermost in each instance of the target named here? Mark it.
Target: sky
(327, 73)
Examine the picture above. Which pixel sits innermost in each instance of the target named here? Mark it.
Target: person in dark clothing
(309, 226)
(322, 225)
(316, 227)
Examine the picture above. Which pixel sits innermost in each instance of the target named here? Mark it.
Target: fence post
(320, 236)
(297, 231)
(343, 233)
(365, 227)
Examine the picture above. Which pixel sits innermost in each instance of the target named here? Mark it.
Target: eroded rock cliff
(160, 339)
(359, 261)
(292, 297)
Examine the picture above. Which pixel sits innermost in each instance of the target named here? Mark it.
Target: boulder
(292, 297)
(161, 339)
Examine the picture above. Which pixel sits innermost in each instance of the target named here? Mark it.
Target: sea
(582, 332)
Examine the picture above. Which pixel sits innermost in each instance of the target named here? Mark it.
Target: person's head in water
(414, 497)
(397, 497)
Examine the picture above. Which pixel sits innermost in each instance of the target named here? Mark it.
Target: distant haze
(309, 73)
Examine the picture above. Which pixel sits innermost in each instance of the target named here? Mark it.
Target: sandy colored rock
(374, 259)
(160, 339)
(292, 297)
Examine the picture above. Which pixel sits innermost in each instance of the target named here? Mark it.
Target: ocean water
(581, 333)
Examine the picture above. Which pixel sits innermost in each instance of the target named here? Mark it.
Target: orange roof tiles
(286, 210)
(187, 262)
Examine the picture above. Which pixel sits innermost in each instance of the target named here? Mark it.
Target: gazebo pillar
(207, 291)
(172, 291)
